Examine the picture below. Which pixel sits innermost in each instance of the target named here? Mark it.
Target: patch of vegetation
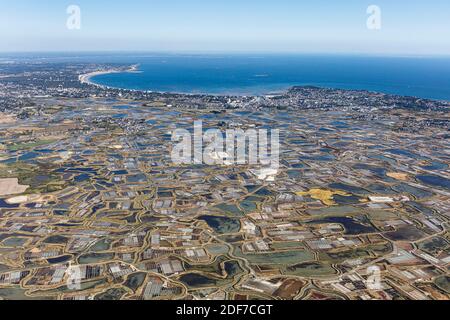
(310, 269)
(111, 294)
(95, 257)
(29, 145)
(276, 258)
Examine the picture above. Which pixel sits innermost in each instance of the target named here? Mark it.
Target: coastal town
(93, 207)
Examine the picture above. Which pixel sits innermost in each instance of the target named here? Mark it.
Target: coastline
(86, 78)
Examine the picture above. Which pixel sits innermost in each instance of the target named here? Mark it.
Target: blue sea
(259, 74)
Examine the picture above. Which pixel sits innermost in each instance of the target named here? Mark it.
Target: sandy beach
(86, 78)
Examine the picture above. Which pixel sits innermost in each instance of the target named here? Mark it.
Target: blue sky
(413, 27)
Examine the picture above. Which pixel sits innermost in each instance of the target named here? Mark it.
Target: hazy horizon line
(229, 52)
